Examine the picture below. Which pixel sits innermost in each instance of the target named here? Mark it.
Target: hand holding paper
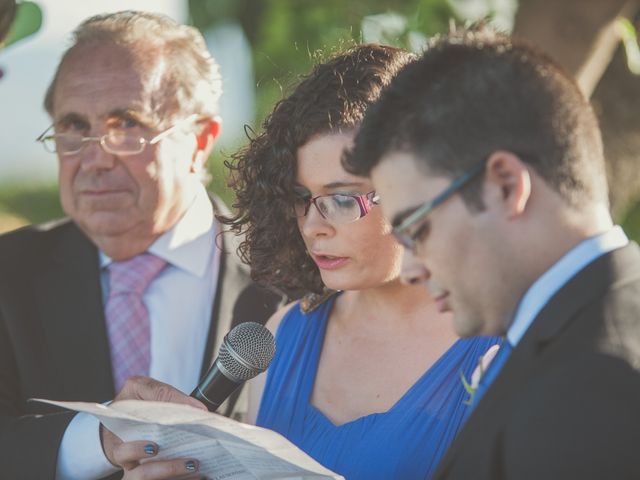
(223, 448)
(128, 455)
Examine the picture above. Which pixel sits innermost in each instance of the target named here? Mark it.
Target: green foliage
(629, 37)
(631, 222)
(289, 36)
(27, 22)
(34, 203)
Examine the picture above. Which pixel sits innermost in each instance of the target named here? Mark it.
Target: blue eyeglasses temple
(455, 185)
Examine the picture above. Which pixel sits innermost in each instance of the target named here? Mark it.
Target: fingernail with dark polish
(190, 465)
(150, 449)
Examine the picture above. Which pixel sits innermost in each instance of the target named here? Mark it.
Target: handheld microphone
(246, 351)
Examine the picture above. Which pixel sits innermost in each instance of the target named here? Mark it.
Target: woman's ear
(509, 182)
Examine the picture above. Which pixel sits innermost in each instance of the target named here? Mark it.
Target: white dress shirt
(545, 287)
(179, 301)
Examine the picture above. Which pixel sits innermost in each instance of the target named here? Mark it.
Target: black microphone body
(246, 351)
(215, 388)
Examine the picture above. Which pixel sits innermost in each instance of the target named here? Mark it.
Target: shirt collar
(560, 273)
(189, 243)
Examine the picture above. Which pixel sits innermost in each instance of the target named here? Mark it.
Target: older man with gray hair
(140, 280)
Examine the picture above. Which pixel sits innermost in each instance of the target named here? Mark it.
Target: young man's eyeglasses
(403, 231)
(338, 208)
(115, 142)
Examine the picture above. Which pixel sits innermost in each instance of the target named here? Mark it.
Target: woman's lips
(329, 262)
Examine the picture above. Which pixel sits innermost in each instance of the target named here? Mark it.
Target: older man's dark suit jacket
(566, 405)
(53, 340)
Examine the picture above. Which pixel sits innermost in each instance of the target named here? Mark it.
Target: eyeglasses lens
(339, 208)
(67, 143)
(336, 208)
(49, 144)
(120, 142)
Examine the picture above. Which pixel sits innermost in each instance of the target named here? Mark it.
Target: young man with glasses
(488, 162)
(141, 280)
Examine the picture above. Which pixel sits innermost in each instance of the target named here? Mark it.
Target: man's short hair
(474, 92)
(191, 81)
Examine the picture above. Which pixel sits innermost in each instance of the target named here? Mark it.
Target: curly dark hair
(332, 98)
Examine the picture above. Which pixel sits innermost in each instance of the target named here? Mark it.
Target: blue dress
(406, 442)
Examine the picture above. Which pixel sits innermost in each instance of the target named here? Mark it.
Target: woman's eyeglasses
(338, 208)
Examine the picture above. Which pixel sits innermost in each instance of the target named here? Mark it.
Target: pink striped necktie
(127, 317)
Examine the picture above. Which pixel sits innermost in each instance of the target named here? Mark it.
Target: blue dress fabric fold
(406, 442)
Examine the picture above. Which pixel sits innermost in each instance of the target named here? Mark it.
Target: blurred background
(263, 46)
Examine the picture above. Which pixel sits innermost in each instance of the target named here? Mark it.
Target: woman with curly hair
(366, 376)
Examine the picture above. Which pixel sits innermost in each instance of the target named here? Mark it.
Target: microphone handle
(215, 388)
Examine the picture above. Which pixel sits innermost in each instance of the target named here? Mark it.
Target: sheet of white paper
(226, 449)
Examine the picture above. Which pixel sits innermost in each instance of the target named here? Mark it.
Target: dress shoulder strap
(311, 301)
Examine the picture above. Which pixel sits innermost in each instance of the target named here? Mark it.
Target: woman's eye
(342, 201)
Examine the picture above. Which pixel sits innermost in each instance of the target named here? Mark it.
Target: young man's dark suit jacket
(53, 340)
(567, 403)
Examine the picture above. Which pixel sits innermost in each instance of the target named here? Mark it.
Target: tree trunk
(580, 35)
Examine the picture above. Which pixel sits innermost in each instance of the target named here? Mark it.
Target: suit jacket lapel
(232, 278)
(70, 303)
(588, 285)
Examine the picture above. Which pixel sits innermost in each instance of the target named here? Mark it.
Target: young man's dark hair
(474, 92)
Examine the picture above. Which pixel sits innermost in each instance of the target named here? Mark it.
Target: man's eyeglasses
(116, 142)
(337, 208)
(403, 232)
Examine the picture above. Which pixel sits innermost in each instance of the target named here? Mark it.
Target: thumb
(146, 388)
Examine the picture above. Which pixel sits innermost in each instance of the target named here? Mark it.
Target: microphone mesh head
(247, 350)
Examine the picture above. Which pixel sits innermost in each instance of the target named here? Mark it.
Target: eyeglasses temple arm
(455, 185)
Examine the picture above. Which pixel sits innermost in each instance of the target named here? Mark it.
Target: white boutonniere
(483, 363)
